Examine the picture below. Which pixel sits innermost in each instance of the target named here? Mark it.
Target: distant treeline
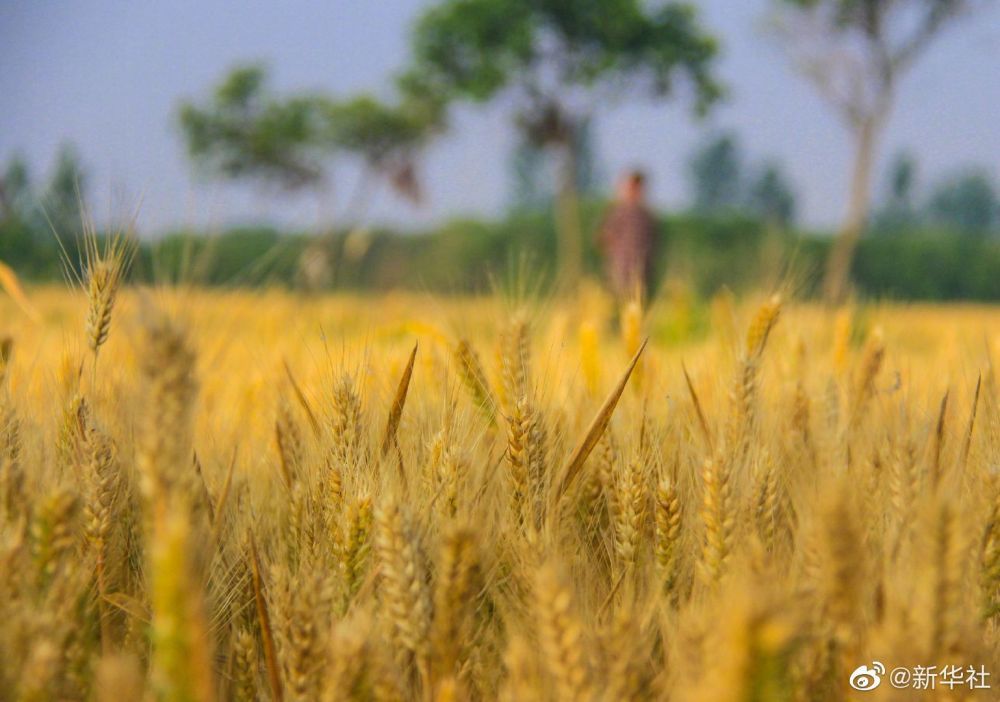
(705, 253)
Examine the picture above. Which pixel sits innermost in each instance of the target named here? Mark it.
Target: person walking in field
(627, 239)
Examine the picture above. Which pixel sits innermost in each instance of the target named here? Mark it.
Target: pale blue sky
(108, 76)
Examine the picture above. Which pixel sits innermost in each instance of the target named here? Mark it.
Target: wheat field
(266, 496)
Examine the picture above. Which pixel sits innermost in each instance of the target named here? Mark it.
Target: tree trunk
(838, 265)
(569, 235)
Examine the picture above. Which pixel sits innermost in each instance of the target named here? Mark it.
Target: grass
(261, 496)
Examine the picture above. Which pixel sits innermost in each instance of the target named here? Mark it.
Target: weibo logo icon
(866, 678)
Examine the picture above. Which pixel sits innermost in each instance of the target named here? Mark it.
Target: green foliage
(721, 185)
(386, 138)
(372, 130)
(32, 217)
(61, 200)
(715, 252)
(16, 198)
(966, 202)
(471, 48)
(244, 132)
(21, 248)
(902, 178)
(736, 252)
(770, 196)
(243, 257)
(932, 265)
(716, 172)
(545, 50)
(899, 211)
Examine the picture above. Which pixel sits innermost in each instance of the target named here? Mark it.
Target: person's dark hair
(637, 177)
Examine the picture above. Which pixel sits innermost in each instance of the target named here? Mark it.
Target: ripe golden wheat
(261, 497)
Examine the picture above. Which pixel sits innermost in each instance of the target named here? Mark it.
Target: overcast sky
(107, 76)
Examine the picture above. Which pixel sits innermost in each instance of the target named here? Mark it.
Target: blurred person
(627, 239)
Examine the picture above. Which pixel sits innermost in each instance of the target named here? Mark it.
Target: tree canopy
(245, 131)
(560, 58)
(722, 181)
(966, 202)
(770, 196)
(716, 172)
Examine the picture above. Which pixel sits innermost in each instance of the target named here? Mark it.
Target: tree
(556, 63)
(716, 174)
(589, 174)
(529, 165)
(854, 52)
(899, 211)
(902, 179)
(527, 178)
(63, 197)
(15, 190)
(244, 132)
(385, 138)
(722, 182)
(22, 230)
(771, 198)
(967, 202)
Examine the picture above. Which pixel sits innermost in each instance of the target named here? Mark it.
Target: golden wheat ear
(104, 269)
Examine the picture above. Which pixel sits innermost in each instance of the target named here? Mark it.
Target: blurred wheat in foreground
(254, 496)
